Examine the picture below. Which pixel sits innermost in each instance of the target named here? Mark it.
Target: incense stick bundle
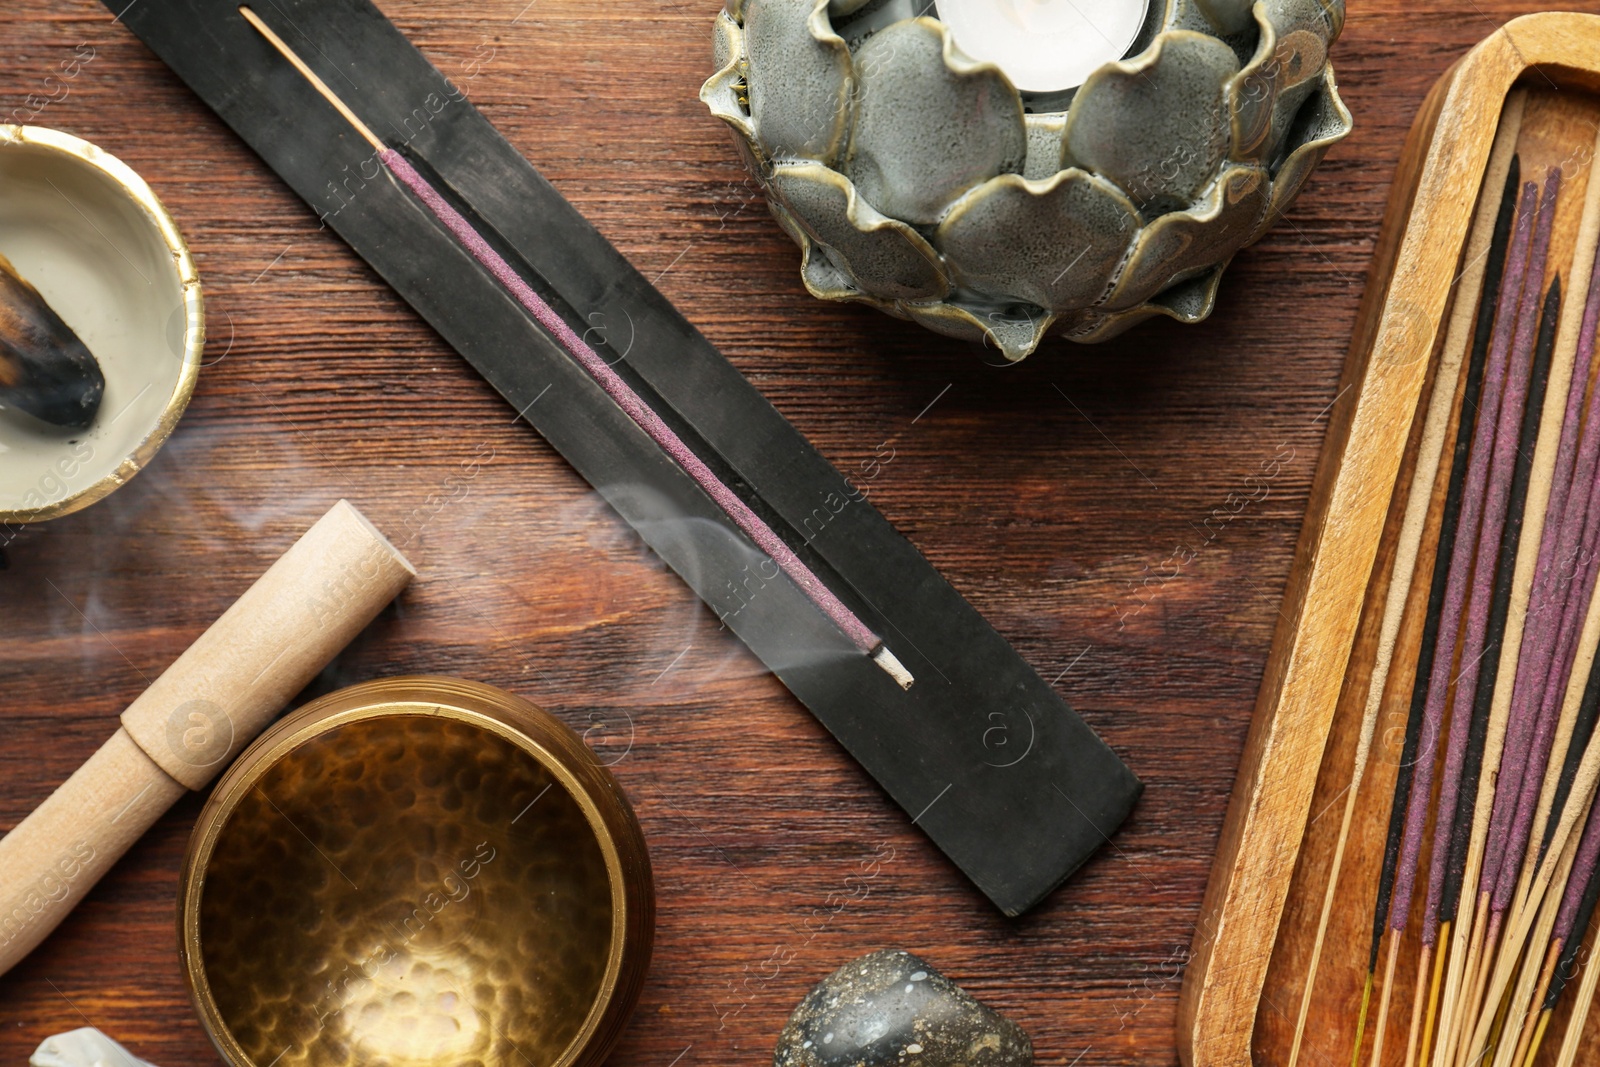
(1490, 873)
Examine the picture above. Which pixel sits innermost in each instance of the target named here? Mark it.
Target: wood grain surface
(1105, 507)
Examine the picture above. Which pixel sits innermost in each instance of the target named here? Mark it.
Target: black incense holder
(1017, 818)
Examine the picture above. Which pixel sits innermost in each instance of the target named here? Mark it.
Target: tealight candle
(1045, 46)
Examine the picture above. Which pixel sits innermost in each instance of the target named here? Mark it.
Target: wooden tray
(1245, 979)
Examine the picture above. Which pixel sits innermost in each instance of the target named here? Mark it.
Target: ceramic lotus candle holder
(922, 182)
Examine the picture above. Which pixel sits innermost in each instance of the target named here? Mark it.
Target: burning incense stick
(614, 385)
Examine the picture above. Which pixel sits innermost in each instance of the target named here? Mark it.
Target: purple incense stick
(642, 414)
(1521, 769)
(1472, 499)
(1553, 592)
(1507, 437)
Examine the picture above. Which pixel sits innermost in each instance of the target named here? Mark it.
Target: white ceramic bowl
(91, 237)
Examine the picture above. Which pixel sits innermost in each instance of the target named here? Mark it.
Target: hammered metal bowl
(920, 181)
(416, 871)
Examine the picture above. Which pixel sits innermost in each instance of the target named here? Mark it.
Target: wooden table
(1086, 501)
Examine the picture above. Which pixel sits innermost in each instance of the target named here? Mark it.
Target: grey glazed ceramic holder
(919, 181)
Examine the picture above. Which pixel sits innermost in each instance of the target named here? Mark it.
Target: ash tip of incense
(893, 667)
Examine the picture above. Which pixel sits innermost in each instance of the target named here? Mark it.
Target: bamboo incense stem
(1433, 996)
(1538, 1039)
(1414, 1034)
(195, 718)
(1520, 1017)
(1465, 969)
(614, 385)
(1382, 1025)
(1531, 1024)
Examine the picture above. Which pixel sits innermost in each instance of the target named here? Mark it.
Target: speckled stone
(891, 1009)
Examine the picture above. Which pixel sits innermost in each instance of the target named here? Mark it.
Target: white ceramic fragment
(83, 1047)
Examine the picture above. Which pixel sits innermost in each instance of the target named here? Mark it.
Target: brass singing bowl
(416, 871)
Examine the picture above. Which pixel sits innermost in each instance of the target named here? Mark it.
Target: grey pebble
(892, 1009)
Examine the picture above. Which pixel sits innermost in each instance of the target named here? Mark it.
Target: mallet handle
(192, 721)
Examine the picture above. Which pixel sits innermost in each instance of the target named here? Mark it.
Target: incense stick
(614, 385)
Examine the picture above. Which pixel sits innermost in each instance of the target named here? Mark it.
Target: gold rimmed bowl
(97, 244)
(416, 871)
